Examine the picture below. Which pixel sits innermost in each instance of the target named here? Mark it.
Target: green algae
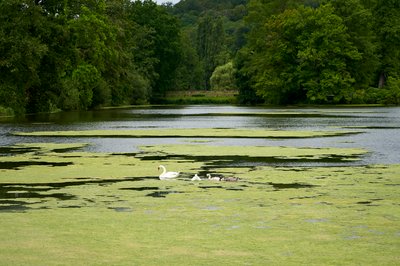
(194, 132)
(112, 209)
(42, 147)
(221, 152)
(77, 164)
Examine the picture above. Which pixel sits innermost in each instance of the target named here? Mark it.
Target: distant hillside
(202, 5)
(189, 10)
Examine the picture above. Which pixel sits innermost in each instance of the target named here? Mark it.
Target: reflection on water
(380, 126)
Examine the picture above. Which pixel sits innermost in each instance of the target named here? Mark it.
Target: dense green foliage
(321, 51)
(215, 30)
(223, 77)
(74, 55)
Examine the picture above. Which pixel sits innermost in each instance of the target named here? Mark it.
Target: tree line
(292, 52)
(342, 51)
(79, 55)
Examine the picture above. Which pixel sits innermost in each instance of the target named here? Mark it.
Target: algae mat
(221, 153)
(110, 209)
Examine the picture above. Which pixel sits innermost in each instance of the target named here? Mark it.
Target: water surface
(380, 127)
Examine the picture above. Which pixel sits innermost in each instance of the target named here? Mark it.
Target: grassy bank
(200, 97)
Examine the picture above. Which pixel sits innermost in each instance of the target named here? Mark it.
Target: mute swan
(213, 178)
(167, 175)
(196, 178)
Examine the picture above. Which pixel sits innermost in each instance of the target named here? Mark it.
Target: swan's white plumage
(196, 178)
(167, 175)
(213, 178)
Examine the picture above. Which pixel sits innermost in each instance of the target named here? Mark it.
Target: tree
(101, 67)
(130, 71)
(259, 13)
(326, 56)
(247, 93)
(223, 77)
(359, 23)
(210, 45)
(77, 55)
(387, 26)
(215, 29)
(21, 52)
(79, 88)
(302, 55)
(91, 38)
(164, 33)
(190, 70)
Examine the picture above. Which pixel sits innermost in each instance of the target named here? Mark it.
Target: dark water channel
(380, 127)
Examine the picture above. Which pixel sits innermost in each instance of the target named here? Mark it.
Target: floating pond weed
(71, 206)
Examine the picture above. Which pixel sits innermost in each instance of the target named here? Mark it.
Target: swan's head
(162, 167)
(209, 176)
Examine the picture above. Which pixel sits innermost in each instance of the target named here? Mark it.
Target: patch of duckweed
(39, 167)
(41, 147)
(223, 153)
(89, 212)
(193, 132)
(9, 150)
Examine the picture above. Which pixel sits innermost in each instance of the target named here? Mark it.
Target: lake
(306, 192)
(379, 127)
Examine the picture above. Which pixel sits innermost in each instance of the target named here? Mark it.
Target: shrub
(223, 78)
(6, 111)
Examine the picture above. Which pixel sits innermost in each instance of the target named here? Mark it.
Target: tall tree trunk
(382, 80)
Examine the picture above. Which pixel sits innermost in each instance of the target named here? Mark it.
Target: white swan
(167, 175)
(215, 178)
(196, 178)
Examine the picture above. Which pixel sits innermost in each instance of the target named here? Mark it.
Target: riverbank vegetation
(200, 97)
(77, 56)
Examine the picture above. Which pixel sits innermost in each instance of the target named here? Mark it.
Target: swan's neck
(164, 170)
